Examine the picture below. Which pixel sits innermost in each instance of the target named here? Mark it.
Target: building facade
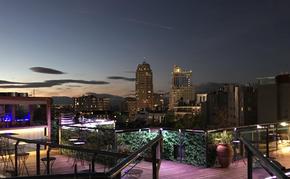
(159, 102)
(91, 103)
(223, 107)
(186, 111)
(248, 105)
(181, 87)
(26, 116)
(144, 87)
(200, 98)
(273, 99)
(130, 107)
(231, 105)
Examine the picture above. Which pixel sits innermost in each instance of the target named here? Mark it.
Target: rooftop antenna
(144, 58)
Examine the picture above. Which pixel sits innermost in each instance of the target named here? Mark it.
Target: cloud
(121, 78)
(160, 26)
(46, 70)
(73, 86)
(9, 82)
(48, 83)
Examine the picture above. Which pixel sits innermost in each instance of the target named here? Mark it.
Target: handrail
(265, 162)
(83, 127)
(244, 127)
(120, 166)
(113, 172)
(52, 145)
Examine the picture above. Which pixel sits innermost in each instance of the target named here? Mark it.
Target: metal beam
(265, 162)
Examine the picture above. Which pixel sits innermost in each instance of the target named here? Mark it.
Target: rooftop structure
(28, 115)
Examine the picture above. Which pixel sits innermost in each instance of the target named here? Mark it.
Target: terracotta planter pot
(224, 154)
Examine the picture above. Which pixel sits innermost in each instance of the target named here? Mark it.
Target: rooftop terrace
(168, 169)
(107, 153)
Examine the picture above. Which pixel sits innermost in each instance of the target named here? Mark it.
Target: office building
(159, 102)
(130, 107)
(181, 87)
(144, 87)
(91, 103)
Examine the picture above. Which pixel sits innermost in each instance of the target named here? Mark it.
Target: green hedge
(129, 142)
(194, 144)
(170, 139)
(195, 149)
(191, 145)
(99, 139)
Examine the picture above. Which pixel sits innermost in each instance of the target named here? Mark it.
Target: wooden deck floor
(169, 169)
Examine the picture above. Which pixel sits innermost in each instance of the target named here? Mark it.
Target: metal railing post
(276, 137)
(267, 142)
(48, 161)
(250, 163)
(93, 162)
(37, 159)
(16, 157)
(154, 166)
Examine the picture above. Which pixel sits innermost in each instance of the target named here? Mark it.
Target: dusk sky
(87, 44)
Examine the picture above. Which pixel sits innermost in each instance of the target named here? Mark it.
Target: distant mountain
(208, 87)
(62, 100)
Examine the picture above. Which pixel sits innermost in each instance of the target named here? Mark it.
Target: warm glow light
(23, 131)
(284, 124)
(285, 150)
(259, 127)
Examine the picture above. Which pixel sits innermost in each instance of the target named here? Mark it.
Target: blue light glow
(8, 117)
(26, 118)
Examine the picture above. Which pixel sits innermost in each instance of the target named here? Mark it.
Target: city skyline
(68, 48)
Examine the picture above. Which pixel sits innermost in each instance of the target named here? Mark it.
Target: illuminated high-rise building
(181, 88)
(144, 87)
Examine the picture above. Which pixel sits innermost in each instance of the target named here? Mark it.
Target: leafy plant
(170, 139)
(195, 149)
(226, 138)
(132, 141)
(221, 137)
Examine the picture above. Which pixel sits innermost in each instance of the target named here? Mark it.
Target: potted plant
(224, 149)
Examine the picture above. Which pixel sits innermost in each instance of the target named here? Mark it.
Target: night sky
(95, 46)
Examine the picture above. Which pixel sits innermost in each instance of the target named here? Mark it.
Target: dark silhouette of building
(273, 99)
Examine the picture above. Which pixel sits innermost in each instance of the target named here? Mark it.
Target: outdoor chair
(51, 162)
